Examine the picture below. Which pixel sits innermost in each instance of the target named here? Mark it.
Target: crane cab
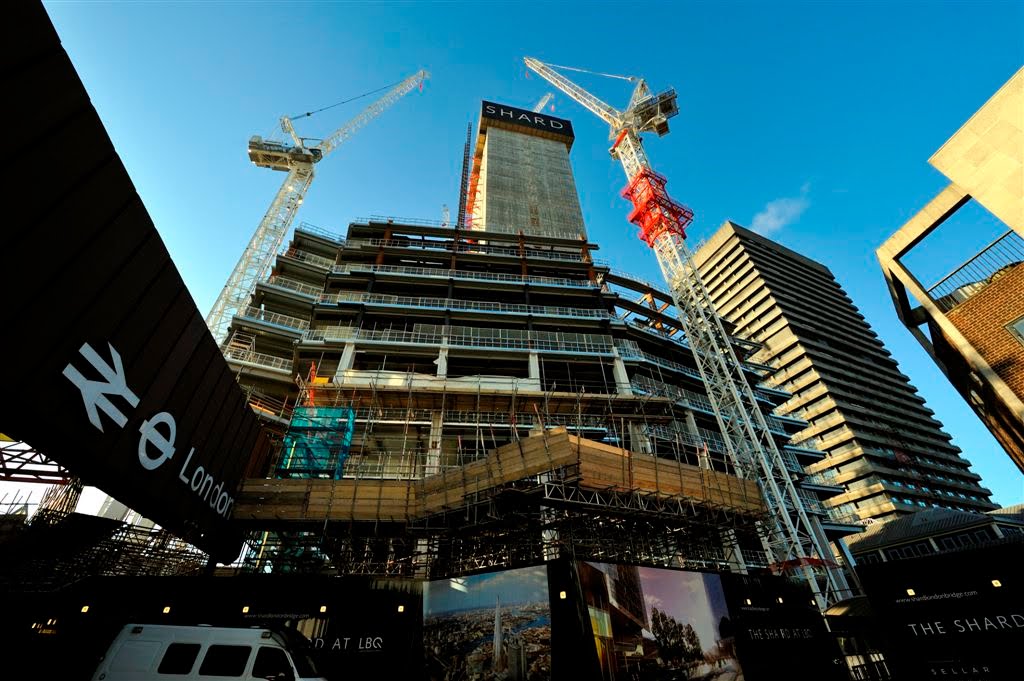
(278, 156)
(653, 112)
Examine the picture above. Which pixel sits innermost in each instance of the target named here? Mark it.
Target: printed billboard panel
(116, 375)
(651, 623)
(488, 626)
(954, 615)
(778, 631)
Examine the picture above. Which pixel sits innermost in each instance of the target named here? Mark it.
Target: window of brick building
(1017, 329)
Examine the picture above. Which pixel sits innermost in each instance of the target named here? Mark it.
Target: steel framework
(21, 462)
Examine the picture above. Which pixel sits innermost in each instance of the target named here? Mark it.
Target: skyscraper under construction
(488, 394)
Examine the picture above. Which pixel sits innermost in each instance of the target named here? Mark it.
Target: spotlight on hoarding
(401, 608)
(561, 594)
(245, 609)
(85, 608)
(167, 609)
(910, 592)
(323, 608)
(996, 583)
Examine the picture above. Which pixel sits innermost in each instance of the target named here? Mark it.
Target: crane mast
(790, 536)
(297, 160)
(543, 102)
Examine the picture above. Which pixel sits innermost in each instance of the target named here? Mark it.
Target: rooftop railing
(975, 274)
(320, 231)
(437, 273)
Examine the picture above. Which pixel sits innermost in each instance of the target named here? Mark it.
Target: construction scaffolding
(511, 400)
(512, 480)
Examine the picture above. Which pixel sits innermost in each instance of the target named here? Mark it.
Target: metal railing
(630, 350)
(292, 285)
(471, 248)
(659, 288)
(320, 231)
(454, 304)
(437, 273)
(792, 465)
(309, 258)
(644, 385)
(966, 280)
(678, 339)
(391, 219)
(275, 318)
(258, 359)
(466, 336)
(825, 477)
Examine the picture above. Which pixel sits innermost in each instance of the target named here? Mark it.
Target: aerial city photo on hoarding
(490, 626)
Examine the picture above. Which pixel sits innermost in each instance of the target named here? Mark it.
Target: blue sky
(817, 117)
(514, 587)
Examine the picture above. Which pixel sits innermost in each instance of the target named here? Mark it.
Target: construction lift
(795, 541)
(297, 159)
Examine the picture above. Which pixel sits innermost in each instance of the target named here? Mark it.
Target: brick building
(972, 321)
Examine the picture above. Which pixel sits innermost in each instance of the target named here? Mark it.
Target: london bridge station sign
(109, 368)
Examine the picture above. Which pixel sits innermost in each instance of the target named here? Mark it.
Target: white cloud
(781, 212)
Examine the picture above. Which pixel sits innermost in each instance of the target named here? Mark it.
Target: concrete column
(703, 460)
(620, 375)
(534, 366)
(733, 552)
(347, 361)
(442, 361)
(434, 446)
(639, 442)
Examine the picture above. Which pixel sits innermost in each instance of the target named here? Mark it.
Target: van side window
(225, 661)
(270, 662)
(179, 658)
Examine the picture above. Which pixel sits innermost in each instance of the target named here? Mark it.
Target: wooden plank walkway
(600, 467)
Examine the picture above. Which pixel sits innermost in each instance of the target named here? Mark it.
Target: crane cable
(596, 73)
(346, 101)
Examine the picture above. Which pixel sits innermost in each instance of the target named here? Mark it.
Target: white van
(147, 652)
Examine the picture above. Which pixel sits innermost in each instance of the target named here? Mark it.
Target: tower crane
(297, 160)
(793, 539)
(543, 102)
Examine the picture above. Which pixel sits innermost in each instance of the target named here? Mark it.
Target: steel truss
(519, 524)
(21, 462)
